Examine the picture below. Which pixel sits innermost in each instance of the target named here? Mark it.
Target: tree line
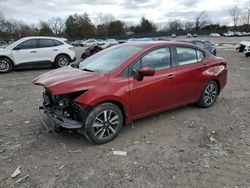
(79, 26)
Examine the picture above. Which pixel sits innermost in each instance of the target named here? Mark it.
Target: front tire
(5, 65)
(209, 95)
(103, 123)
(61, 61)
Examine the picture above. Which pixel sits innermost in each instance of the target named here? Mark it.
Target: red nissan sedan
(126, 82)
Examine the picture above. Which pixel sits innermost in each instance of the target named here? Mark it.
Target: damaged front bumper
(58, 112)
(57, 120)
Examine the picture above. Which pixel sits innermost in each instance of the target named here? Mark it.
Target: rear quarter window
(58, 43)
(186, 55)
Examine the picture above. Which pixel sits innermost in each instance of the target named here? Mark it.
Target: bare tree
(247, 8)
(235, 13)
(175, 25)
(201, 20)
(57, 25)
(189, 26)
(105, 18)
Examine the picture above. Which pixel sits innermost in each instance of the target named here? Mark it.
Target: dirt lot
(186, 147)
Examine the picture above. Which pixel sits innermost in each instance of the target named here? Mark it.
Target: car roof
(158, 43)
(43, 37)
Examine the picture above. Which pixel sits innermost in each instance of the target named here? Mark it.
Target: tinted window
(186, 55)
(29, 44)
(157, 59)
(57, 43)
(43, 43)
(110, 59)
(200, 55)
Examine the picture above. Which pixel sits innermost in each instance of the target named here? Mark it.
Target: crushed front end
(62, 111)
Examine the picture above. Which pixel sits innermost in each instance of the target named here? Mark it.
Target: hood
(67, 80)
(2, 49)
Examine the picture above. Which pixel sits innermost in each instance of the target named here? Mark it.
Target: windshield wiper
(85, 69)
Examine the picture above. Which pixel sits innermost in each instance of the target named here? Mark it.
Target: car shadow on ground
(73, 137)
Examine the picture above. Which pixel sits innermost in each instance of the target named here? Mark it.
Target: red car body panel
(167, 89)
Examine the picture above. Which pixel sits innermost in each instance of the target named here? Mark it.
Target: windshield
(109, 59)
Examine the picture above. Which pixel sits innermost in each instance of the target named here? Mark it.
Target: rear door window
(45, 43)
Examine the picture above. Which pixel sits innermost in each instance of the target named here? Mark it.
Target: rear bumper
(55, 120)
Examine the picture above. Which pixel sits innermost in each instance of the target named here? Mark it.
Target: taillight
(216, 70)
(72, 48)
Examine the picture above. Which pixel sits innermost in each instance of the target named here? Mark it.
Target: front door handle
(55, 49)
(171, 76)
(32, 51)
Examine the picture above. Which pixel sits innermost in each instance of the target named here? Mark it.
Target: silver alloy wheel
(105, 124)
(210, 94)
(63, 61)
(4, 66)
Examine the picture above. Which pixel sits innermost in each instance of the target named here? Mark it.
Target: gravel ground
(185, 147)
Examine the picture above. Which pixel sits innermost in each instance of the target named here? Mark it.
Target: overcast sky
(159, 11)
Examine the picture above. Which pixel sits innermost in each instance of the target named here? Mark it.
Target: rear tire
(103, 123)
(61, 61)
(208, 95)
(247, 55)
(5, 65)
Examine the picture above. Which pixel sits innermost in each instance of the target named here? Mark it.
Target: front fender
(117, 92)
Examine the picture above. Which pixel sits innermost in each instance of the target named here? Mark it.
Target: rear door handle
(55, 49)
(32, 51)
(171, 76)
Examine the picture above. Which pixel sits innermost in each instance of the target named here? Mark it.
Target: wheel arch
(62, 54)
(12, 62)
(120, 105)
(218, 83)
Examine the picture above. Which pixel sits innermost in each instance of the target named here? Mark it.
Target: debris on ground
(192, 125)
(2, 150)
(23, 179)
(62, 167)
(16, 172)
(26, 122)
(132, 125)
(17, 146)
(121, 153)
(76, 151)
(212, 139)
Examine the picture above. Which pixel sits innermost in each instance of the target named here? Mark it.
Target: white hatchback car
(36, 52)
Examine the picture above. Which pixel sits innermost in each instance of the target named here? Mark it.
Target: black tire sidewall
(89, 130)
(57, 59)
(201, 101)
(10, 65)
